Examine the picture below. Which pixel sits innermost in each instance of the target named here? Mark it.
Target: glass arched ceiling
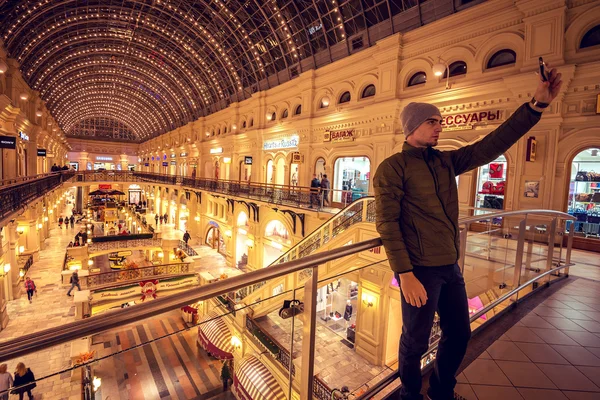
(155, 65)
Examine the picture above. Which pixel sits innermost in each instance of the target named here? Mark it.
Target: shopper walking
(30, 288)
(225, 375)
(325, 188)
(74, 281)
(72, 220)
(166, 218)
(186, 237)
(6, 381)
(416, 201)
(315, 188)
(60, 222)
(155, 220)
(24, 381)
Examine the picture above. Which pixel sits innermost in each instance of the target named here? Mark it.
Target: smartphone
(543, 71)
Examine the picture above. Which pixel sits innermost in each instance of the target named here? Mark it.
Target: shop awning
(253, 381)
(215, 336)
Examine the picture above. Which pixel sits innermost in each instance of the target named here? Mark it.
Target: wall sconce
(96, 382)
(24, 96)
(325, 102)
(20, 230)
(90, 262)
(21, 273)
(234, 127)
(40, 226)
(46, 218)
(438, 70)
(228, 233)
(39, 113)
(197, 218)
(226, 160)
(21, 249)
(89, 241)
(236, 342)
(6, 268)
(368, 300)
(250, 243)
(160, 254)
(139, 229)
(268, 116)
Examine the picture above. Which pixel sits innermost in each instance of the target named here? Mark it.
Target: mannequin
(348, 311)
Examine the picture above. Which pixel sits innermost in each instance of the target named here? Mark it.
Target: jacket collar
(418, 152)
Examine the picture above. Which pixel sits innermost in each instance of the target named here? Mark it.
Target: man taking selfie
(417, 217)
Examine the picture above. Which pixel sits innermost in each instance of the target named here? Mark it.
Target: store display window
(584, 194)
(491, 185)
(277, 243)
(351, 179)
(337, 305)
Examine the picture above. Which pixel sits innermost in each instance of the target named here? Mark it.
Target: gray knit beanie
(414, 114)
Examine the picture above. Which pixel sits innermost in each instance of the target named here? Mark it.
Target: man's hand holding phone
(548, 88)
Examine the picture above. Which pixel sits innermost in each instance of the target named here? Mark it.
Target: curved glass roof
(148, 67)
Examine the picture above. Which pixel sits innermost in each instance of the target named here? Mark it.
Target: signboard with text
(284, 143)
(8, 142)
(339, 136)
(468, 120)
(248, 160)
(104, 187)
(41, 152)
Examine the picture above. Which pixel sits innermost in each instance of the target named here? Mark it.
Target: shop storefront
(491, 185)
(337, 304)
(135, 194)
(276, 242)
(215, 239)
(351, 175)
(275, 172)
(245, 169)
(584, 196)
(184, 214)
(104, 162)
(172, 165)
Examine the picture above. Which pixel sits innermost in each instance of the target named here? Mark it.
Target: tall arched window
(298, 109)
(244, 124)
(456, 68)
(591, 38)
(417, 79)
(369, 91)
(502, 57)
(344, 98)
(251, 122)
(284, 114)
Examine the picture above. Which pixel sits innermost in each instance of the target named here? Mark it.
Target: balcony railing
(507, 276)
(106, 278)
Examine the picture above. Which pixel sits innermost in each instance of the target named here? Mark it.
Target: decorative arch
(506, 40)
(320, 95)
(578, 29)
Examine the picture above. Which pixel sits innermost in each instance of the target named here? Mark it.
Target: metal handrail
(553, 213)
(74, 330)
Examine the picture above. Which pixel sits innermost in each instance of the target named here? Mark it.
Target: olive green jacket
(416, 197)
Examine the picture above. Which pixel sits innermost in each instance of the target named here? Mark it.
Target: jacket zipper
(443, 206)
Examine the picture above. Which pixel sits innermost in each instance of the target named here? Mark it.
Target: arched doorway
(215, 240)
(270, 167)
(217, 165)
(320, 167)
(276, 242)
(241, 243)
(184, 213)
(280, 172)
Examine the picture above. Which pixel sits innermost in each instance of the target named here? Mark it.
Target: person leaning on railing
(416, 202)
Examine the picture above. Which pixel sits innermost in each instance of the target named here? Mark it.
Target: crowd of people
(57, 168)
(319, 191)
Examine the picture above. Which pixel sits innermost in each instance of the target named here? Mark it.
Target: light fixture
(21, 249)
(228, 233)
(90, 262)
(20, 230)
(242, 231)
(96, 382)
(160, 254)
(7, 268)
(39, 112)
(226, 160)
(24, 96)
(438, 70)
(21, 273)
(3, 67)
(197, 218)
(250, 243)
(368, 300)
(234, 127)
(40, 226)
(325, 102)
(236, 342)
(268, 116)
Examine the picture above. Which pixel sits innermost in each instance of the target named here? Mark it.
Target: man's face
(427, 134)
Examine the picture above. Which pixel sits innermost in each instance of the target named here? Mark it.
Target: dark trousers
(28, 394)
(225, 384)
(29, 294)
(446, 294)
(73, 287)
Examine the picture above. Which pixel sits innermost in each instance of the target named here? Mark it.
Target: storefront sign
(218, 150)
(183, 155)
(173, 162)
(471, 118)
(285, 143)
(146, 164)
(165, 164)
(339, 136)
(149, 288)
(104, 158)
(8, 142)
(41, 152)
(248, 160)
(23, 136)
(531, 149)
(104, 187)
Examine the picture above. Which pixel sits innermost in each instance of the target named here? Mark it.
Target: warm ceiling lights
(39, 113)
(24, 96)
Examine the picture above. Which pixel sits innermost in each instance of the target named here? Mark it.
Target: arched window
(417, 79)
(591, 38)
(219, 132)
(244, 124)
(344, 98)
(284, 114)
(456, 68)
(251, 122)
(213, 133)
(273, 117)
(225, 131)
(502, 57)
(369, 91)
(298, 110)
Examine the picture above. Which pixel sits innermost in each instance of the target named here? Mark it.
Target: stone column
(14, 291)
(124, 162)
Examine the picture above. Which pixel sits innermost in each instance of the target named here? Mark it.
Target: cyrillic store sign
(8, 142)
(248, 160)
(218, 150)
(41, 152)
(339, 136)
(468, 120)
(23, 136)
(165, 164)
(285, 143)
